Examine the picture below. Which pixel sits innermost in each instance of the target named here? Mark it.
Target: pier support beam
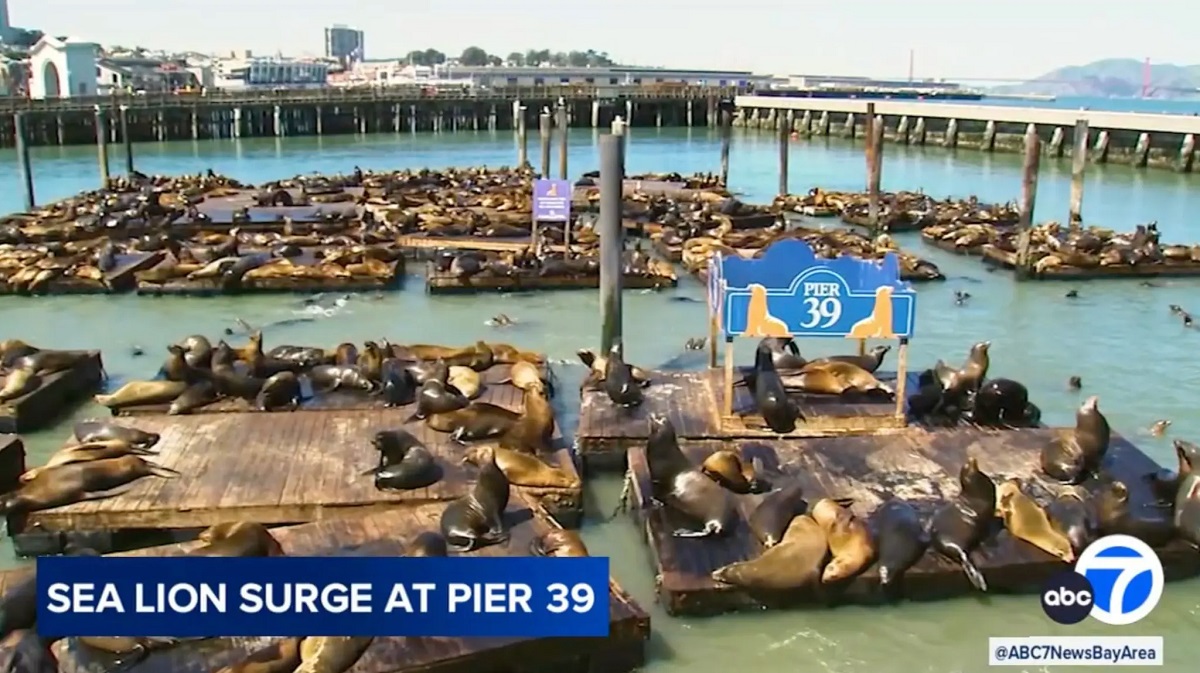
(1078, 166)
(874, 167)
(849, 128)
(902, 130)
(563, 142)
(1029, 180)
(823, 123)
(102, 145)
(920, 133)
(785, 135)
(806, 122)
(629, 112)
(596, 114)
(277, 121)
(195, 124)
(126, 139)
(1187, 153)
(689, 113)
(26, 168)
(726, 138)
(950, 140)
(989, 136)
(61, 126)
(545, 129)
(1100, 149)
(522, 138)
(612, 244)
(1141, 153)
(1057, 140)
(237, 122)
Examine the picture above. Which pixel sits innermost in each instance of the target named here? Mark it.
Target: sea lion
(328, 378)
(100, 431)
(900, 541)
(18, 383)
(522, 469)
(846, 378)
(435, 398)
(850, 542)
(370, 361)
(240, 538)
(796, 562)
(478, 357)
(477, 420)
(397, 385)
(972, 374)
(771, 398)
(78, 482)
(1001, 402)
(12, 350)
(526, 376)
(1027, 521)
(681, 487)
(82, 453)
(197, 351)
(304, 356)
(404, 462)
(18, 604)
(534, 430)
(465, 380)
(199, 394)
(346, 355)
(597, 365)
(136, 649)
(477, 519)
(281, 656)
(619, 383)
(961, 524)
(24, 651)
(558, 542)
(1073, 458)
(48, 362)
(429, 370)
(784, 352)
(427, 544)
(331, 654)
(142, 393)
(507, 354)
(775, 511)
(1187, 495)
(868, 362)
(175, 367)
(727, 469)
(279, 391)
(1071, 515)
(1115, 516)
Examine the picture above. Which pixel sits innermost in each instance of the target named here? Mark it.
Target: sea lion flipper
(367, 473)
(686, 533)
(109, 493)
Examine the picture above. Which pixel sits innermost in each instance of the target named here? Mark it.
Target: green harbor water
(1117, 335)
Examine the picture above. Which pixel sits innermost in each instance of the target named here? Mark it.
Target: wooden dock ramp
(917, 466)
(620, 652)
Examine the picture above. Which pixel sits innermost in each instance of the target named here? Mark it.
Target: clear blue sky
(968, 38)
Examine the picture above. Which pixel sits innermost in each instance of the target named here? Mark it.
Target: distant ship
(874, 94)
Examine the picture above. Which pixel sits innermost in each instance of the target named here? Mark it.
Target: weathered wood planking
(57, 392)
(213, 286)
(693, 402)
(277, 468)
(918, 466)
(621, 651)
(995, 256)
(448, 283)
(950, 247)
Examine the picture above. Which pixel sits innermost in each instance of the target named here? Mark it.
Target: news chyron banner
(329, 596)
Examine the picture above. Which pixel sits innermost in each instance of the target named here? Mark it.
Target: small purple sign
(552, 200)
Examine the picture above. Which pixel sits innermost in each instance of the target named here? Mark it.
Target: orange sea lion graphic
(759, 321)
(878, 325)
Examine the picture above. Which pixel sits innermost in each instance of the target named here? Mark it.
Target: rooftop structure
(344, 44)
(63, 67)
(398, 71)
(260, 72)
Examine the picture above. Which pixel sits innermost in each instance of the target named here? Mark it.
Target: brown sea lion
(558, 542)
(427, 544)
(99, 431)
(13, 349)
(331, 654)
(18, 604)
(370, 361)
(197, 395)
(534, 430)
(727, 469)
(1029, 522)
(477, 420)
(237, 539)
(775, 511)
(597, 364)
(346, 354)
(78, 482)
(511, 355)
(435, 370)
(142, 393)
(19, 383)
(526, 376)
(477, 519)
(1073, 457)
(796, 562)
(24, 651)
(253, 350)
(281, 656)
(466, 380)
(850, 542)
(868, 362)
(848, 378)
(279, 392)
(82, 453)
(48, 362)
(522, 469)
(175, 367)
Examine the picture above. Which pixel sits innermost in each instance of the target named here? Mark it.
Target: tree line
(477, 56)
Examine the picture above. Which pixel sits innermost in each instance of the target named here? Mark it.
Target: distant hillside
(1115, 77)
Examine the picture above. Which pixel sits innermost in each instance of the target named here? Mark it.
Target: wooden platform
(1008, 260)
(622, 651)
(426, 242)
(207, 287)
(917, 466)
(950, 247)
(448, 283)
(273, 468)
(692, 401)
(58, 392)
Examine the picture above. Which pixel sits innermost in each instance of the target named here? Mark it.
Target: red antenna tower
(1146, 78)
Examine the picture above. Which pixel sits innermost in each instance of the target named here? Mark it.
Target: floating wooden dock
(437, 282)
(621, 652)
(12, 461)
(950, 247)
(272, 468)
(917, 466)
(994, 256)
(693, 403)
(57, 392)
(423, 243)
(207, 287)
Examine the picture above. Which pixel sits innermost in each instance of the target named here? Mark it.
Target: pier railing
(363, 95)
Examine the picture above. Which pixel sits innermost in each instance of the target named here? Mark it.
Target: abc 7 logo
(1118, 580)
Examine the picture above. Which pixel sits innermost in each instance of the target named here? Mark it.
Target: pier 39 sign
(788, 291)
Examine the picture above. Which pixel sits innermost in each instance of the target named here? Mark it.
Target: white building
(258, 72)
(62, 68)
(498, 76)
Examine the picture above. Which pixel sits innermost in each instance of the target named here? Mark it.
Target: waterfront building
(344, 44)
(63, 67)
(250, 72)
(117, 74)
(601, 76)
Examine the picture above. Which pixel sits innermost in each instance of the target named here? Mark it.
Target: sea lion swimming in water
(404, 462)
(477, 519)
(681, 487)
(101, 431)
(850, 542)
(79, 482)
(900, 541)
(796, 562)
(961, 524)
(1072, 459)
(1029, 522)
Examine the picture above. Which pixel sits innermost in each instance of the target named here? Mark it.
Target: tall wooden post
(612, 244)
(785, 134)
(25, 166)
(726, 137)
(563, 121)
(874, 166)
(1078, 164)
(102, 145)
(522, 138)
(546, 131)
(127, 140)
(1029, 180)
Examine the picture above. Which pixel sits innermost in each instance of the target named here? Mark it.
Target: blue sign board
(788, 291)
(552, 200)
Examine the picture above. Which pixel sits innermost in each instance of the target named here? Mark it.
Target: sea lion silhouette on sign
(759, 321)
(878, 325)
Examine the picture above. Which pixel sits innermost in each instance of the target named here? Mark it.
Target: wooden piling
(612, 176)
(563, 123)
(546, 130)
(785, 134)
(126, 139)
(874, 165)
(1078, 164)
(1029, 180)
(726, 137)
(522, 138)
(102, 145)
(23, 158)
